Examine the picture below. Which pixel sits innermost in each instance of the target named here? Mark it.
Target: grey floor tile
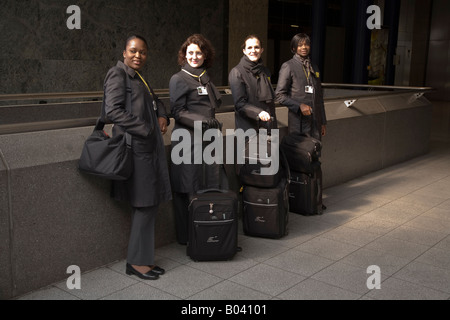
(444, 244)
(426, 275)
(185, 281)
(311, 289)
(228, 290)
(397, 212)
(351, 236)
(267, 279)
(429, 223)
(337, 217)
(48, 293)
(260, 249)
(438, 213)
(299, 262)
(345, 276)
(437, 257)
(363, 203)
(364, 258)
(428, 202)
(396, 247)
(327, 248)
(312, 225)
(417, 235)
(387, 192)
(338, 193)
(396, 289)
(439, 189)
(174, 251)
(99, 283)
(372, 224)
(445, 205)
(225, 269)
(140, 291)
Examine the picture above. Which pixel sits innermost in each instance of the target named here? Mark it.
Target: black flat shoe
(146, 276)
(159, 271)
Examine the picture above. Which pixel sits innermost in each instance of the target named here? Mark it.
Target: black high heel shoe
(151, 275)
(158, 270)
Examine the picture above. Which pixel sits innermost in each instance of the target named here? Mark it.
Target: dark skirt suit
(188, 107)
(149, 184)
(291, 93)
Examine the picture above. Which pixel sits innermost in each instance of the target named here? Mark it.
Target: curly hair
(204, 45)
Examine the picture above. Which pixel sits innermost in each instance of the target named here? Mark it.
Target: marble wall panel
(6, 282)
(40, 54)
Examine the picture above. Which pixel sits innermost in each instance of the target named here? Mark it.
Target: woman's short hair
(135, 36)
(298, 39)
(204, 45)
(252, 36)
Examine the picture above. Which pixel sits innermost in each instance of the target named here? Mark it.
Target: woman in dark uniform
(193, 101)
(299, 88)
(251, 88)
(146, 120)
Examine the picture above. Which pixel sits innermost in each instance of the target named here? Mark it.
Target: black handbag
(106, 157)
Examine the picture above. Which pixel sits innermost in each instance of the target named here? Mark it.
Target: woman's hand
(305, 110)
(264, 116)
(163, 125)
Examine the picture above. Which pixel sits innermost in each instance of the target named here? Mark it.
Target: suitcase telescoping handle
(211, 191)
(268, 123)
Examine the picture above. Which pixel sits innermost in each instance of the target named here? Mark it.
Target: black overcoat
(188, 107)
(150, 183)
(244, 88)
(290, 92)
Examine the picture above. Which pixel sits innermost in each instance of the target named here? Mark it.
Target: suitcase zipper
(215, 221)
(262, 204)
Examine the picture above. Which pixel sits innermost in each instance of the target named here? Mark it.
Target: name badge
(309, 89)
(202, 91)
(155, 107)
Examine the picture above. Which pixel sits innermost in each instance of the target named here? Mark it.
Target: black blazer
(291, 93)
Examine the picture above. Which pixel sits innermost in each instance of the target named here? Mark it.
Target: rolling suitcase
(305, 192)
(213, 225)
(257, 159)
(258, 169)
(266, 211)
(301, 151)
(213, 218)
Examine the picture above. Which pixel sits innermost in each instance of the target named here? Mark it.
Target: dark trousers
(141, 246)
(181, 215)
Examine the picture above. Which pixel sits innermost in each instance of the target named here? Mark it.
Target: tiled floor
(397, 219)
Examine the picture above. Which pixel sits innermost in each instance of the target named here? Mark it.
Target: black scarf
(264, 87)
(306, 62)
(202, 76)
